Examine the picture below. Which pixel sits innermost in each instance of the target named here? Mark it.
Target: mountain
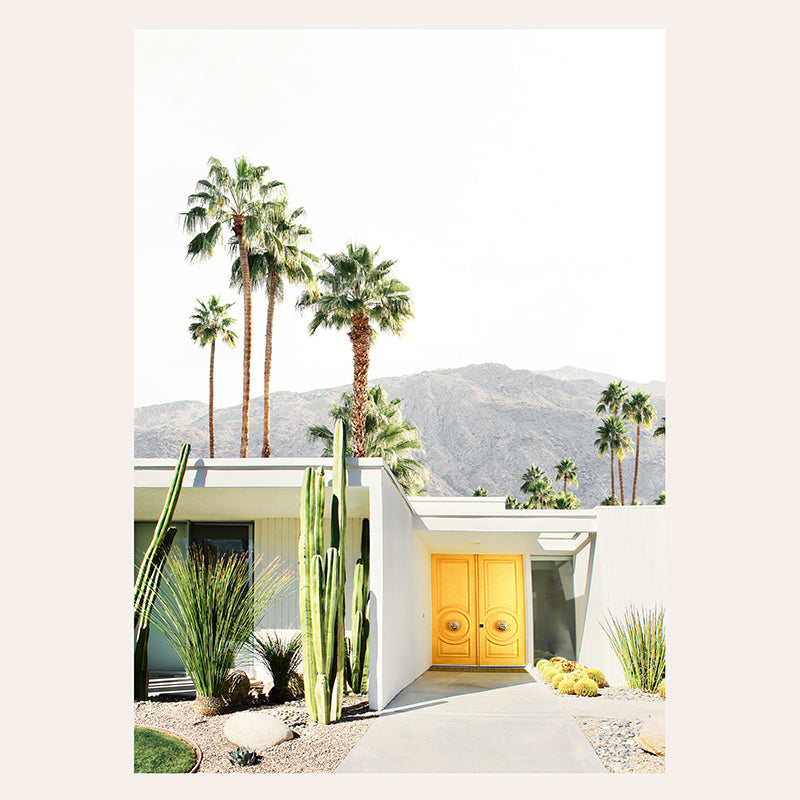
(482, 425)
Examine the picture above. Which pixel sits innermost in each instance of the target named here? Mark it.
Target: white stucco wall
(624, 565)
(400, 596)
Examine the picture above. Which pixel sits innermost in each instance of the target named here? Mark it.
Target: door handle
(481, 625)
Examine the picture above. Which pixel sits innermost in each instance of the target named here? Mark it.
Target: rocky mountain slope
(482, 425)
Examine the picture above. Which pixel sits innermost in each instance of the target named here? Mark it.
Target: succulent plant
(597, 677)
(585, 687)
(662, 688)
(541, 663)
(566, 686)
(548, 672)
(243, 757)
(557, 678)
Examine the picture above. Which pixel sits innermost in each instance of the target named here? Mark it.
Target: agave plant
(281, 657)
(243, 757)
(639, 641)
(207, 608)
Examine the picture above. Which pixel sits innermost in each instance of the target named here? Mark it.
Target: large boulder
(256, 730)
(651, 737)
(236, 688)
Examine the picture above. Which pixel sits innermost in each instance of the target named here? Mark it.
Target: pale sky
(517, 178)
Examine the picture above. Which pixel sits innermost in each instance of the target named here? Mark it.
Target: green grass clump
(282, 657)
(585, 687)
(639, 642)
(662, 689)
(154, 751)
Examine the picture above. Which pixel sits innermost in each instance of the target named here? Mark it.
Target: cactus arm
(144, 575)
(308, 496)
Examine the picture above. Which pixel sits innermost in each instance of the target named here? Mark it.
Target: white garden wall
(624, 565)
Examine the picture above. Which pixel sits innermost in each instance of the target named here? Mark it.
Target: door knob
(481, 625)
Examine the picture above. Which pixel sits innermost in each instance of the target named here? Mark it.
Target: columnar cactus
(322, 582)
(361, 612)
(148, 578)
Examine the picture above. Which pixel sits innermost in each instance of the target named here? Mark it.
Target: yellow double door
(478, 610)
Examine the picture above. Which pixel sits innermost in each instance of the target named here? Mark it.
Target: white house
(453, 580)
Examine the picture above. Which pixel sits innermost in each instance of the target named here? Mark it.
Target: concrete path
(473, 722)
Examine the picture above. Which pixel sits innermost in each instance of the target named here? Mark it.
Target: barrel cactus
(566, 686)
(548, 672)
(542, 663)
(557, 678)
(585, 687)
(597, 676)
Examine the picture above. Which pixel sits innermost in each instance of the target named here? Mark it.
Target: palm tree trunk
(621, 488)
(273, 290)
(359, 337)
(565, 486)
(211, 402)
(613, 493)
(636, 468)
(238, 229)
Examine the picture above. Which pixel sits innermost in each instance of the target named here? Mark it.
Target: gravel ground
(315, 748)
(613, 739)
(321, 748)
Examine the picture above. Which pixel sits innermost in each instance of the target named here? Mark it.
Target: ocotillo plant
(322, 580)
(148, 578)
(360, 612)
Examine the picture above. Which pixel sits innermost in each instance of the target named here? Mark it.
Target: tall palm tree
(661, 428)
(611, 400)
(388, 436)
(612, 437)
(359, 294)
(638, 409)
(280, 256)
(234, 199)
(209, 321)
(566, 470)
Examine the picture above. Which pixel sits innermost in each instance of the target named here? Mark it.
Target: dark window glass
(553, 609)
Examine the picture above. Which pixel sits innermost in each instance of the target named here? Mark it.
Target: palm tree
(387, 435)
(661, 428)
(208, 322)
(280, 257)
(613, 438)
(661, 500)
(611, 401)
(361, 295)
(638, 409)
(565, 500)
(480, 492)
(237, 200)
(531, 476)
(566, 470)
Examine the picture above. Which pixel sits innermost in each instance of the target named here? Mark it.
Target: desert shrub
(662, 688)
(281, 657)
(585, 687)
(639, 642)
(206, 610)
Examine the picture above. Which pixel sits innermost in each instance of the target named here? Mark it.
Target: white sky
(517, 177)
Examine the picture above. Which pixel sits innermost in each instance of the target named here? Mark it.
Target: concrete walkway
(473, 722)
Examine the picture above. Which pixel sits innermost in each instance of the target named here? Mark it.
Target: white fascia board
(542, 523)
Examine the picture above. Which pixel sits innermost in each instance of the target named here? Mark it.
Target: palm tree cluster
(386, 435)
(619, 407)
(542, 494)
(266, 240)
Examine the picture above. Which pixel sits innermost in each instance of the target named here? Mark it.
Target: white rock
(256, 730)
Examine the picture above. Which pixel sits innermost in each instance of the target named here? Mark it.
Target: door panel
(468, 590)
(501, 640)
(454, 606)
